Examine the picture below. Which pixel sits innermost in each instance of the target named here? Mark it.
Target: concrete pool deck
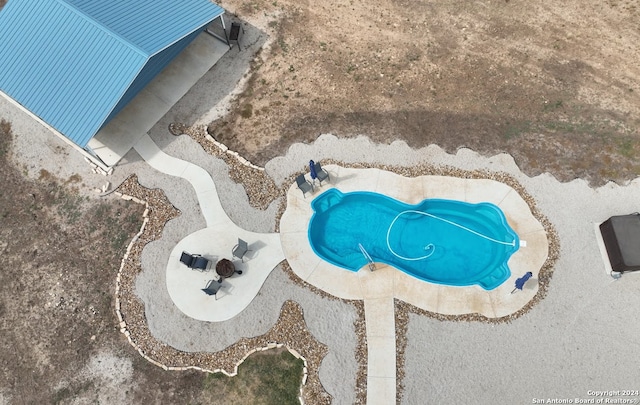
(438, 298)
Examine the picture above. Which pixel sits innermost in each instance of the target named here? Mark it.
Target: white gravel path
(582, 337)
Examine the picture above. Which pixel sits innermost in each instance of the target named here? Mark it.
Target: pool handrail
(372, 265)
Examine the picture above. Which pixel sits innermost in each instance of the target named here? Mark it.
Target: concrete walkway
(379, 308)
(198, 177)
(214, 242)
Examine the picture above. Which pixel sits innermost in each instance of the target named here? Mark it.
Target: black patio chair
(321, 174)
(304, 185)
(234, 34)
(212, 288)
(187, 259)
(201, 263)
(196, 262)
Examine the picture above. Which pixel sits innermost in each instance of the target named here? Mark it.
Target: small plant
(247, 111)
(413, 55)
(69, 204)
(626, 147)
(74, 178)
(5, 131)
(283, 45)
(552, 106)
(45, 175)
(61, 394)
(516, 129)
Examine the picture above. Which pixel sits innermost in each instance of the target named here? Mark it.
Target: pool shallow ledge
(387, 281)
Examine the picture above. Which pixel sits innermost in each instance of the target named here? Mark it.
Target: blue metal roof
(76, 63)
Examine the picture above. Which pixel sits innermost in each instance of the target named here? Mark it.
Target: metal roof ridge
(105, 28)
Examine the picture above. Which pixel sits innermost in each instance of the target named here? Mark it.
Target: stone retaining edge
(235, 154)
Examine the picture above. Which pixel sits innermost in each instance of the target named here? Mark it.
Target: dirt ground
(554, 84)
(60, 339)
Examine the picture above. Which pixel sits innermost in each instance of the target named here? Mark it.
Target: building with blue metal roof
(75, 64)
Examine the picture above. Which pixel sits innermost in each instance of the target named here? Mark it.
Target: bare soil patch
(554, 84)
(60, 253)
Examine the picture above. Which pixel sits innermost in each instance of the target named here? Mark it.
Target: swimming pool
(440, 241)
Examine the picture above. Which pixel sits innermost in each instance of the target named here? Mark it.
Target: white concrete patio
(237, 292)
(213, 242)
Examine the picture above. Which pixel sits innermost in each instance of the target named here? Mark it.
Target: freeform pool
(441, 241)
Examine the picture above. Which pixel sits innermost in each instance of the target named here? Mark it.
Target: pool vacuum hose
(431, 247)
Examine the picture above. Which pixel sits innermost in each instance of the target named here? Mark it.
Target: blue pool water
(440, 241)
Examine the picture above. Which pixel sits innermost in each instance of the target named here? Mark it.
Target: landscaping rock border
(262, 191)
(289, 331)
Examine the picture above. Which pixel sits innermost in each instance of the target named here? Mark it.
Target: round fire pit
(225, 268)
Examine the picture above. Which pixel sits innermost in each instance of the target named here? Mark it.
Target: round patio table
(225, 268)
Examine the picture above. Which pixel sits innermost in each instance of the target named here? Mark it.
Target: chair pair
(212, 288)
(196, 262)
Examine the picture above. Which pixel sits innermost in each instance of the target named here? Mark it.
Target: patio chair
(212, 288)
(201, 263)
(196, 262)
(321, 174)
(234, 34)
(187, 259)
(239, 251)
(304, 185)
